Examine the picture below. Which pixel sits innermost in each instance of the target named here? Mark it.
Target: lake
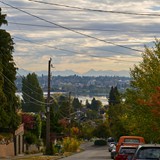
(103, 99)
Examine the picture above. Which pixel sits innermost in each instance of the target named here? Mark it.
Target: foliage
(146, 75)
(8, 100)
(114, 96)
(28, 120)
(33, 100)
(101, 131)
(75, 131)
(32, 123)
(70, 144)
(30, 138)
(100, 142)
(116, 114)
(95, 105)
(145, 79)
(87, 130)
(55, 117)
(153, 106)
(2, 18)
(76, 104)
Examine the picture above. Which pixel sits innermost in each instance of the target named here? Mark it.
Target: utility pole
(48, 143)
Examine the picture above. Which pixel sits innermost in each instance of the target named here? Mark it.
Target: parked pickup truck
(129, 140)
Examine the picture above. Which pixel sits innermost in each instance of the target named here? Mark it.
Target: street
(91, 152)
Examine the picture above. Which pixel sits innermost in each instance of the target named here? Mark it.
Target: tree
(116, 120)
(95, 105)
(33, 100)
(101, 131)
(146, 76)
(76, 104)
(145, 79)
(114, 96)
(8, 100)
(2, 18)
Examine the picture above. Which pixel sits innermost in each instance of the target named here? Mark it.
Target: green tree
(145, 79)
(146, 76)
(76, 104)
(116, 119)
(8, 100)
(114, 96)
(33, 100)
(95, 105)
(101, 131)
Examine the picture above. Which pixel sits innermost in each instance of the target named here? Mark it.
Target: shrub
(70, 144)
(30, 138)
(100, 142)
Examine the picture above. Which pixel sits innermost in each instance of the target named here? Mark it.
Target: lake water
(103, 99)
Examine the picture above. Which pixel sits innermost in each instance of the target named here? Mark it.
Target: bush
(100, 142)
(30, 138)
(70, 144)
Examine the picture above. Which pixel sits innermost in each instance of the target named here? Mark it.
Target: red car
(125, 152)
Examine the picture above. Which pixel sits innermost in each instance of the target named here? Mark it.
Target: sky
(80, 35)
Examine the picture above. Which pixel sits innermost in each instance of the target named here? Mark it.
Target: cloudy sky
(80, 35)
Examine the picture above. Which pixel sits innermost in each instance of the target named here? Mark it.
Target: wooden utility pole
(48, 143)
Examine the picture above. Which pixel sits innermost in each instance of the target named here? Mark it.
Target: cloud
(81, 39)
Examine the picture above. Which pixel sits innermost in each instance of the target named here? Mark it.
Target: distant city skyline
(81, 35)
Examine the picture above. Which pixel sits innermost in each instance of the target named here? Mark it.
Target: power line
(72, 30)
(45, 9)
(24, 92)
(87, 29)
(29, 85)
(73, 51)
(96, 10)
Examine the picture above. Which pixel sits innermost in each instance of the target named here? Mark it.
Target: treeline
(81, 85)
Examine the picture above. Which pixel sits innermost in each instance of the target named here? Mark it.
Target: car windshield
(149, 153)
(127, 150)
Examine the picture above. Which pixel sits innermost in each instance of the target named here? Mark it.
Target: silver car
(148, 152)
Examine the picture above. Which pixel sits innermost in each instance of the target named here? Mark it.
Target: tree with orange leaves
(142, 99)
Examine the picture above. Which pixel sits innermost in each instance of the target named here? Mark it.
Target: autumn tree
(8, 99)
(33, 100)
(145, 78)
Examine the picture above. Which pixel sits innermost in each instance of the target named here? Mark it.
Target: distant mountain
(23, 72)
(91, 72)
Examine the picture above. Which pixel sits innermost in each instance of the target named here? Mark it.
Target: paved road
(91, 153)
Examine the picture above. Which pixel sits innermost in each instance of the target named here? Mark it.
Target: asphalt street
(91, 153)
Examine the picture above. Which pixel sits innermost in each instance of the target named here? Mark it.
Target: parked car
(111, 145)
(125, 153)
(129, 140)
(109, 140)
(113, 152)
(147, 152)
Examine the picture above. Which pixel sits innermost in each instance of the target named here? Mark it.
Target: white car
(111, 146)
